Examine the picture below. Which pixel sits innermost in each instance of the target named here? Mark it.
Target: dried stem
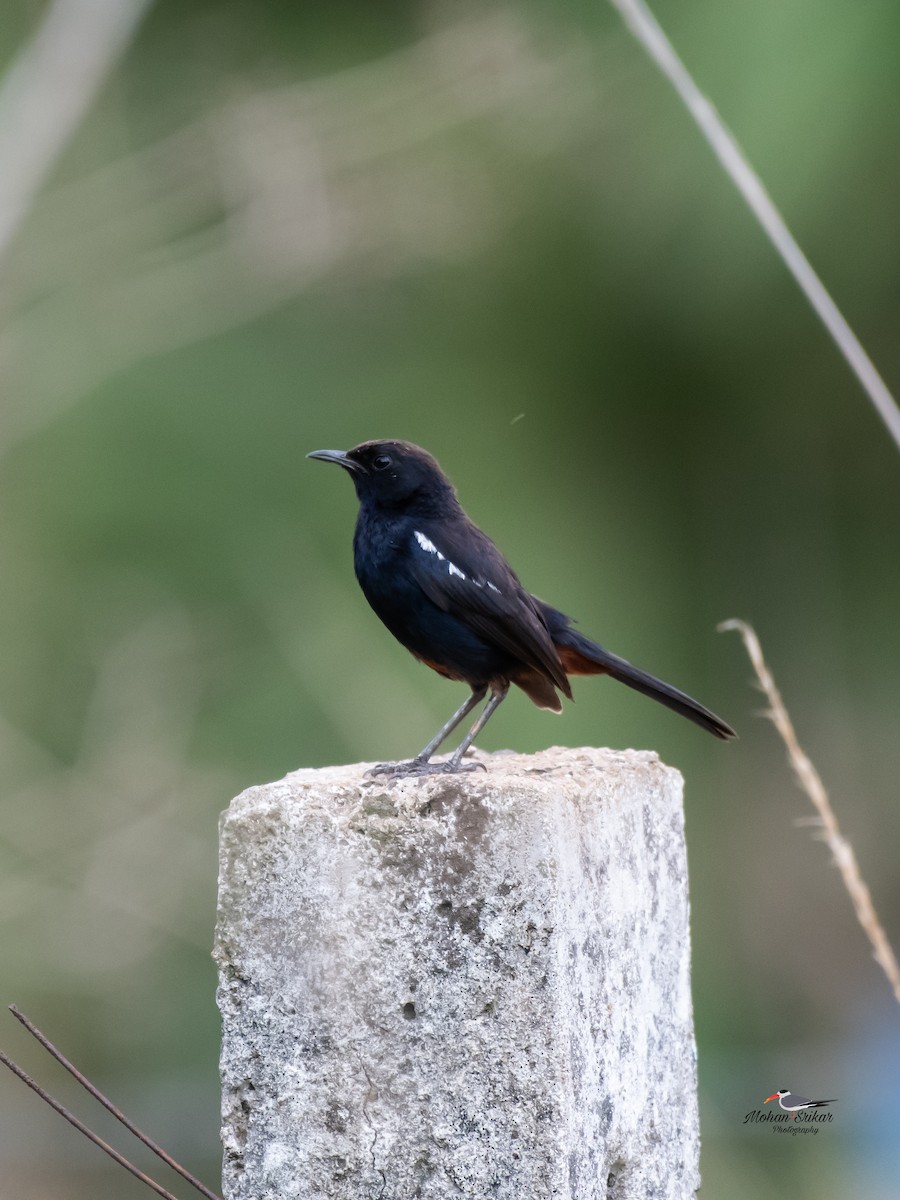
(109, 1106)
(82, 1128)
(642, 23)
(811, 783)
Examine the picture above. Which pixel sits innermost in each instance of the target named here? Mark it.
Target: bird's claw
(417, 767)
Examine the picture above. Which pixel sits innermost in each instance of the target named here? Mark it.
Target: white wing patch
(429, 547)
(427, 544)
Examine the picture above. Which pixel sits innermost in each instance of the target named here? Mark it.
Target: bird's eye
(382, 461)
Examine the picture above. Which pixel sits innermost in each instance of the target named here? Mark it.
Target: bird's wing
(461, 571)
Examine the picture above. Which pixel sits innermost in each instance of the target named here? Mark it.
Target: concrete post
(464, 986)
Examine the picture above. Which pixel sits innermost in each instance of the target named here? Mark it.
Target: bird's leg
(498, 695)
(444, 732)
(419, 765)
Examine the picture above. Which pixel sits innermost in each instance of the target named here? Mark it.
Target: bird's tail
(580, 656)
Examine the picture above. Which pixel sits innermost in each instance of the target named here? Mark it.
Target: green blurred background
(493, 231)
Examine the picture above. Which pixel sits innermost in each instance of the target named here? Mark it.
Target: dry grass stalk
(810, 781)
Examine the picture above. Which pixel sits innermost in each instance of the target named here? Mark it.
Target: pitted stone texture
(461, 986)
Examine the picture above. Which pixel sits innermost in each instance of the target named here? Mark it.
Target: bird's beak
(772, 1097)
(340, 457)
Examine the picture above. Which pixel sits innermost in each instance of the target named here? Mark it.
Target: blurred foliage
(495, 233)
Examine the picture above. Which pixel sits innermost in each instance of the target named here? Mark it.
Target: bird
(793, 1104)
(448, 595)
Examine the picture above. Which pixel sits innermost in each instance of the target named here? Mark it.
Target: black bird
(449, 596)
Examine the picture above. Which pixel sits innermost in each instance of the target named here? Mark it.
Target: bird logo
(793, 1104)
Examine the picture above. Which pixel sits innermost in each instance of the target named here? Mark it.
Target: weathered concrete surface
(472, 986)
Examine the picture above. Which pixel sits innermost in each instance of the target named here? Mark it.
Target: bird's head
(392, 475)
(778, 1095)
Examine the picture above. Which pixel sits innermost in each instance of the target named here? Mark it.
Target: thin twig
(811, 783)
(642, 23)
(82, 1128)
(109, 1106)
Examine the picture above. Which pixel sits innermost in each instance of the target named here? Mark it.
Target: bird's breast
(385, 569)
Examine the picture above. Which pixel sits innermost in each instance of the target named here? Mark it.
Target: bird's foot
(418, 767)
